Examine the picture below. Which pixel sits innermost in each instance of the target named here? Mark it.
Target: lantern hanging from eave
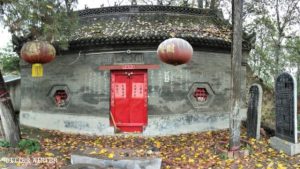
(37, 53)
(175, 51)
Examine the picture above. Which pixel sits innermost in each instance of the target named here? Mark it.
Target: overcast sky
(5, 36)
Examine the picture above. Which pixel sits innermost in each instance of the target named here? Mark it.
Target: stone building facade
(80, 89)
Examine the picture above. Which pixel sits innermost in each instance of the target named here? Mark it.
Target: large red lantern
(175, 51)
(37, 53)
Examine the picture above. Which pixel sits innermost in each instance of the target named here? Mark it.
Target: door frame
(129, 113)
(129, 67)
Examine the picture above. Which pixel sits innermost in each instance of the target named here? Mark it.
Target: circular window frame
(53, 91)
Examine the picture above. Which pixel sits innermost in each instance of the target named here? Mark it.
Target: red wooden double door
(129, 91)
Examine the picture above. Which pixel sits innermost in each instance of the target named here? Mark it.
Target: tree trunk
(7, 115)
(277, 41)
(262, 45)
(68, 6)
(193, 3)
(276, 62)
(236, 51)
(185, 3)
(298, 76)
(2, 136)
(200, 4)
(213, 4)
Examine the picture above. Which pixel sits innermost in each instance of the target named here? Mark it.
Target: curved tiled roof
(151, 24)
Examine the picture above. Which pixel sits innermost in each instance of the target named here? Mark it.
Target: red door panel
(139, 92)
(129, 99)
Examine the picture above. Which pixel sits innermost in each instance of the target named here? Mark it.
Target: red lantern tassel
(37, 70)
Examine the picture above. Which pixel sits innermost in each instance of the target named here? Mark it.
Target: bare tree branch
(277, 15)
(120, 2)
(147, 2)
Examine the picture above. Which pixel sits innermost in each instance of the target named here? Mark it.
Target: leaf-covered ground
(186, 151)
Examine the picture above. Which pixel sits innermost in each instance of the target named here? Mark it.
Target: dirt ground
(184, 151)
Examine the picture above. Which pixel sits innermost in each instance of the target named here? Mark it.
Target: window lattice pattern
(201, 94)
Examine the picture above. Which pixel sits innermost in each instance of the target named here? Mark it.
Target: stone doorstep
(119, 153)
(285, 146)
(85, 166)
(154, 163)
(14, 166)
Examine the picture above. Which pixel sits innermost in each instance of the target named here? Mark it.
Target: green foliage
(293, 54)
(50, 20)
(223, 156)
(29, 146)
(4, 143)
(272, 22)
(249, 148)
(9, 60)
(10, 64)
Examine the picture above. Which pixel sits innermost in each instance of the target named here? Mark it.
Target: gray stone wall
(89, 87)
(89, 92)
(170, 85)
(171, 106)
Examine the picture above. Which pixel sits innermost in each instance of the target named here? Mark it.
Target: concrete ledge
(99, 125)
(285, 146)
(71, 123)
(82, 166)
(121, 164)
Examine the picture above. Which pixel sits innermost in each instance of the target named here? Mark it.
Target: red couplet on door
(128, 104)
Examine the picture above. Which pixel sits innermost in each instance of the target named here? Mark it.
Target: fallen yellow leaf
(102, 151)
(49, 6)
(280, 166)
(111, 155)
(158, 144)
(259, 165)
(191, 160)
(270, 165)
(48, 154)
(2, 165)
